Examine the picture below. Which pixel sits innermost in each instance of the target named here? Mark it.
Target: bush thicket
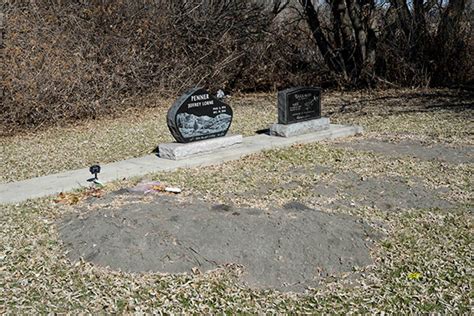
(66, 60)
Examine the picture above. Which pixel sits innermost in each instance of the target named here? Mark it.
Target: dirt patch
(288, 248)
(393, 193)
(414, 149)
(353, 190)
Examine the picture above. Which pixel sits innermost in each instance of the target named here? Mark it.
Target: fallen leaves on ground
(76, 197)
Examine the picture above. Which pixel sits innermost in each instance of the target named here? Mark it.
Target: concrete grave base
(175, 151)
(299, 128)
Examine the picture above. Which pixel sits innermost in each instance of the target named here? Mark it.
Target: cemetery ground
(406, 183)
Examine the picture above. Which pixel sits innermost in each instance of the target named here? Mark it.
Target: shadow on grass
(414, 102)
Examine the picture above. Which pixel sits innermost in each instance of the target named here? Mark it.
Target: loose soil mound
(288, 248)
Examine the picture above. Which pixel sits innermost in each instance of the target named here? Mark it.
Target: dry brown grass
(422, 266)
(432, 115)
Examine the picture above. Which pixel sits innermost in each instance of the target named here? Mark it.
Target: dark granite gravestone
(299, 104)
(198, 115)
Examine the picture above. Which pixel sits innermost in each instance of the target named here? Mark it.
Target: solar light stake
(94, 169)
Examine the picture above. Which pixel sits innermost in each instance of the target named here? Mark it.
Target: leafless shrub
(417, 42)
(67, 60)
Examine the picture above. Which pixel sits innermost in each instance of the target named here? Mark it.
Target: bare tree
(424, 35)
(432, 35)
(348, 48)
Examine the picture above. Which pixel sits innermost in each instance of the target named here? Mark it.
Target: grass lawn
(423, 264)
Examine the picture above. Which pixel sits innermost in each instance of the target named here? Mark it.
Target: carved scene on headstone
(198, 115)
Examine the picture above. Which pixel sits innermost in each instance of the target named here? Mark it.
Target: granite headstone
(299, 104)
(198, 115)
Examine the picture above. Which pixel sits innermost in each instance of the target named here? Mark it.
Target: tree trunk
(449, 25)
(351, 53)
(321, 41)
(342, 25)
(404, 16)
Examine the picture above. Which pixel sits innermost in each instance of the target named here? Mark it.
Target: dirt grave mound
(287, 248)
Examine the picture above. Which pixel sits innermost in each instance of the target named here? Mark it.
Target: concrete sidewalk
(15, 192)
